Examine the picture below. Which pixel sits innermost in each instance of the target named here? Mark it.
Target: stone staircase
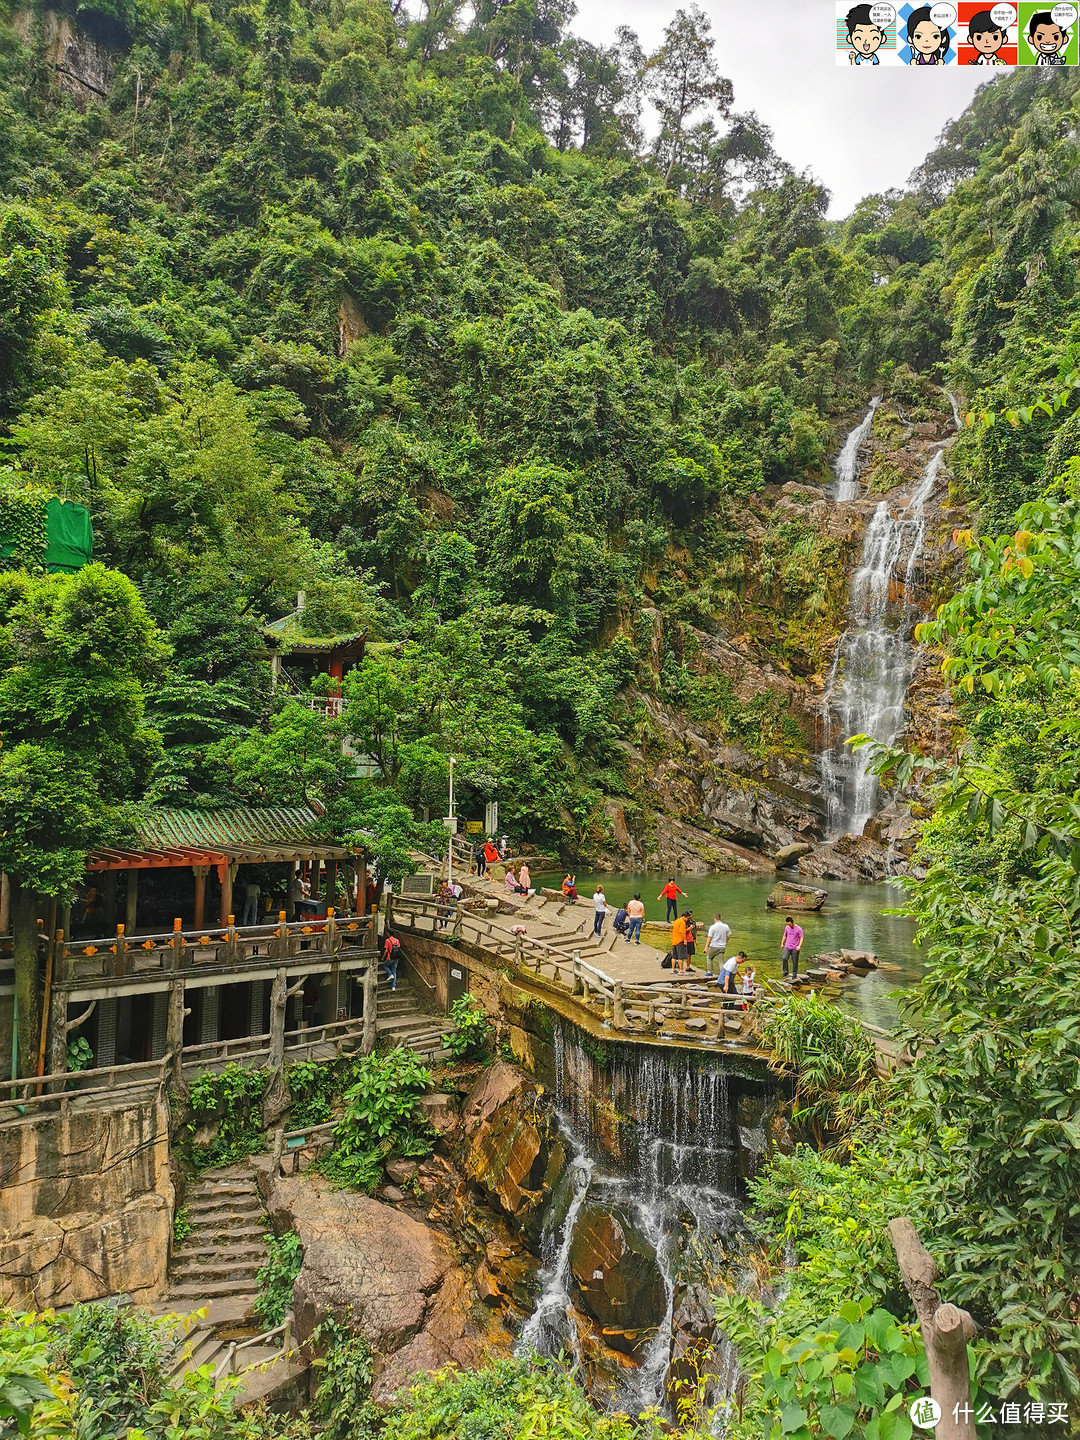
(402, 1021)
(214, 1268)
(220, 1256)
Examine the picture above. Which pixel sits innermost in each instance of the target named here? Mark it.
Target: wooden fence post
(946, 1331)
(618, 1018)
(577, 988)
(174, 1034)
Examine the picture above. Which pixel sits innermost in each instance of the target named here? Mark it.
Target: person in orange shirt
(680, 955)
(670, 893)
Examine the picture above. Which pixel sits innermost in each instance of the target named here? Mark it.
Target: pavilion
(175, 924)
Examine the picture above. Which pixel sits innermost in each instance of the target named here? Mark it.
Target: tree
(75, 652)
(31, 281)
(683, 78)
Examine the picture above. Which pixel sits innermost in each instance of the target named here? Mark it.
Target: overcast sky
(859, 129)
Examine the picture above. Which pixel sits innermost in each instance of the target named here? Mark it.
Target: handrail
(227, 1364)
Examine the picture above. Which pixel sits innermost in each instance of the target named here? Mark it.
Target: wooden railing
(229, 950)
(641, 1008)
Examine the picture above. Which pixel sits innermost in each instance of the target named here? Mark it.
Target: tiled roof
(237, 826)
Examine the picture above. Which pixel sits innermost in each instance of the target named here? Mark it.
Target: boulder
(616, 1277)
(788, 854)
(440, 1112)
(795, 897)
(383, 1275)
(860, 959)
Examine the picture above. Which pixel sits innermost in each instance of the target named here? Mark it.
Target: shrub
(233, 1097)
(275, 1278)
(380, 1119)
(471, 1036)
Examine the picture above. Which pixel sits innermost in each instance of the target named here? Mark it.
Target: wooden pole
(174, 1033)
(131, 905)
(331, 883)
(361, 885)
(946, 1331)
(200, 873)
(371, 1003)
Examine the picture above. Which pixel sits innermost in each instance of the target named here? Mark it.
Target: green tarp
(71, 538)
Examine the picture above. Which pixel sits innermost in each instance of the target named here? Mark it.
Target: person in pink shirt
(791, 945)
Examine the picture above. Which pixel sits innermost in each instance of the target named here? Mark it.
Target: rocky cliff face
(82, 55)
(86, 1205)
(705, 798)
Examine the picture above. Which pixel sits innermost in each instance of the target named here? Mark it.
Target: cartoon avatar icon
(987, 38)
(929, 42)
(1047, 38)
(864, 37)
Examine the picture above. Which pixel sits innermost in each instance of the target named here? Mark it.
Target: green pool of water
(851, 919)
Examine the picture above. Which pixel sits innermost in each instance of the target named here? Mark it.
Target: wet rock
(785, 896)
(617, 1279)
(693, 1337)
(506, 1140)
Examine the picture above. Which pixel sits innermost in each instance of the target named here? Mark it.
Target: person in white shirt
(599, 901)
(719, 934)
(727, 973)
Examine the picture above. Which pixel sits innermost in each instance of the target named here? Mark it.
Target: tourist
(728, 971)
(635, 914)
(599, 901)
(251, 904)
(790, 945)
(391, 955)
(716, 944)
(479, 862)
(569, 887)
(524, 878)
(671, 893)
(619, 924)
(371, 898)
(679, 961)
(491, 853)
(747, 980)
(504, 845)
(691, 937)
(444, 900)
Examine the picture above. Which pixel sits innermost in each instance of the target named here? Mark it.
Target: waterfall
(846, 464)
(654, 1136)
(868, 682)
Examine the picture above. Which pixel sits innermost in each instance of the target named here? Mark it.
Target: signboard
(473, 827)
(418, 885)
(450, 823)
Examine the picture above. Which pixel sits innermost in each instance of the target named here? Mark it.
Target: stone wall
(86, 1205)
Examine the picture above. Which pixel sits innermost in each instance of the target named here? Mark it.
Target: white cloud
(858, 130)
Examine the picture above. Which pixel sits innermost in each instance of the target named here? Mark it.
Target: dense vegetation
(404, 314)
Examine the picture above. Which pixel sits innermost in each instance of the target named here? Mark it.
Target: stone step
(404, 1024)
(207, 1272)
(189, 1290)
(208, 1235)
(245, 1204)
(232, 1249)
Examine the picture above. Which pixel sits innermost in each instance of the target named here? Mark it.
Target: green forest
(417, 315)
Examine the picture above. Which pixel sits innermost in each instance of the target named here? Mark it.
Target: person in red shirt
(670, 893)
(491, 853)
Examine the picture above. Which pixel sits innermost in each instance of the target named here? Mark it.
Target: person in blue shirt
(864, 37)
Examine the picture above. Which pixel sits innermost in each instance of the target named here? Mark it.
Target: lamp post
(451, 827)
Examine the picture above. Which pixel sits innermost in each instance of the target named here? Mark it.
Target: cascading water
(655, 1138)
(846, 464)
(875, 658)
